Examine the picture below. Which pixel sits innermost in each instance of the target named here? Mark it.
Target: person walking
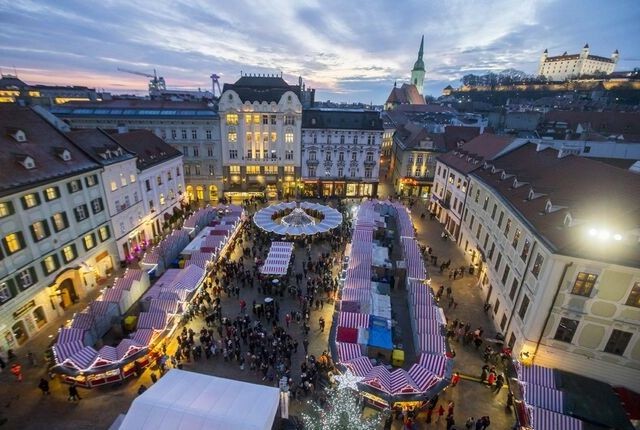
(450, 408)
(73, 393)
(470, 424)
(455, 379)
(44, 386)
(305, 344)
(440, 413)
(16, 370)
(321, 323)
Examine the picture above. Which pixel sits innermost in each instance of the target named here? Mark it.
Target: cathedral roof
(406, 94)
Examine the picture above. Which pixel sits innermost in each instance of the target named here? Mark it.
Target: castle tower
(615, 56)
(418, 72)
(585, 51)
(543, 58)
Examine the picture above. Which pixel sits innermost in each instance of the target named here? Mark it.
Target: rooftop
(471, 155)
(341, 119)
(135, 108)
(149, 148)
(99, 145)
(406, 94)
(571, 195)
(27, 136)
(263, 88)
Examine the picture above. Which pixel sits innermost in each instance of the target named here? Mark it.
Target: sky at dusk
(350, 51)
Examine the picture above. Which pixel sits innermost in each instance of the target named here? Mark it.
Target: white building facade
(260, 133)
(341, 152)
(562, 67)
(57, 243)
(565, 294)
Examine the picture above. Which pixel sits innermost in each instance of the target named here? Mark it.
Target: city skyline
(346, 53)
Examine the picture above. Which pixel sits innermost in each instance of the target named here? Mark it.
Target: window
(523, 307)
(288, 136)
(493, 211)
(74, 186)
(81, 212)
(312, 172)
(486, 203)
(486, 240)
(466, 212)
(342, 139)
(59, 221)
(500, 219)
(232, 136)
(13, 242)
(173, 134)
(51, 193)
(288, 155)
(183, 133)
(159, 180)
(368, 172)
(209, 151)
(89, 241)
(253, 170)
(265, 119)
(256, 119)
(525, 249)
(498, 261)
(505, 275)
(340, 172)
(211, 171)
(272, 119)
(234, 170)
(312, 155)
(104, 233)
(273, 136)
(503, 322)
(185, 151)
(96, 205)
(566, 330)
(634, 296)
(123, 180)
(27, 278)
(177, 171)
(450, 174)
(270, 170)
(514, 288)
(507, 227)
(369, 156)
(196, 151)
(69, 253)
(478, 231)
(419, 161)
(354, 156)
(5, 292)
(477, 196)
(584, 284)
(162, 199)
(537, 265)
(618, 342)
(208, 134)
(50, 264)
(91, 180)
(473, 219)
(233, 154)
(516, 238)
(6, 209)
(327, 156)
(496, 306)
(289, 120)
(30, 200)
(355, 140)
(39, 230)
(492, 250)
(341, 156)
(194, 134)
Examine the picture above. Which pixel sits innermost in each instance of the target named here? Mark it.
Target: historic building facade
(261, 119)
(558, 255)
(341, 152)
(565, 66)
(192, 128)
(57, 242)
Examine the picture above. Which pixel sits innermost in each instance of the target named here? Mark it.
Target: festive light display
(342, 411)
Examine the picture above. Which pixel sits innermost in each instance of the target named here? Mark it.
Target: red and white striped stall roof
(431, 344)
(125, 283)
(543, 397)
(66, 350)
(357, 283)
(413, 259)
(67, 335)
(361, 271)
(144, 336)
(108, 353)
(537, 375)
(360, 366)
(542, 419)
(401, 383)
(428, 326)
(435, 363)
(378, 377)
(425, 312)
(190, 277)
(356, 294)
(362, 235)
(152, 320)
(113, 295)
(353, 320)
(127, 347)
(164, 306)
(423, 377)
(82, 321)
(348, 351)
(83, 358)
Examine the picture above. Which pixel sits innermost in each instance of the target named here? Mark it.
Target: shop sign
(24, 309)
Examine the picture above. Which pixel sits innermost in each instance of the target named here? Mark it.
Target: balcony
(369, 163)
(313, 162)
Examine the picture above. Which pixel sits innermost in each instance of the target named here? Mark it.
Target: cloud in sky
(348, 51)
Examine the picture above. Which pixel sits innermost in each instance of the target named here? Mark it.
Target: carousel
(297, 219)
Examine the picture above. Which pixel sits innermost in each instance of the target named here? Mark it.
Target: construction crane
(156, 83)
(215, 84)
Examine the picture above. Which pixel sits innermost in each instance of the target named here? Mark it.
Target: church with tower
(410, 93)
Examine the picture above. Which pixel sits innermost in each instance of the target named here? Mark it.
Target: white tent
(188, 400)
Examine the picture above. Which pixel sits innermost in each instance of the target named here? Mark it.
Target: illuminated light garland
(342, 412)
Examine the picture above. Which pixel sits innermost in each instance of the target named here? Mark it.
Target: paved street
(26, 408)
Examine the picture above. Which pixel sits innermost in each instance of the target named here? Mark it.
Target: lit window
(634, 296)
(234, 170)
(253, 170)
(50, 264)
(256, 119)
(59, 221)
(232, 119)
(30, 200)
(270, 170)
(232, 136)
(132, 178)
(162, 200)
(584, 284)
(89, 241)
(288, 137)
(123, 180)
(69, 253)
(289, 169)
(51, 193)
(13, 242)
(274, 136)
(39, 230)
(114, 186)
(6, 209)
(91, 180)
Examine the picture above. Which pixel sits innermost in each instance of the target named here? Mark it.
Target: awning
(542, 419)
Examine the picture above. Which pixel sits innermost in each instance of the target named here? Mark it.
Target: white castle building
(565, 66)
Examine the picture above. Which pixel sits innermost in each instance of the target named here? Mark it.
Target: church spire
(419, 64)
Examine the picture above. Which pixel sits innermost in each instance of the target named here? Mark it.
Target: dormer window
(27, 162)
(567, 220)
(18, 135)
(64, 154)
(548, 207)
(531, 194)
(503, 176)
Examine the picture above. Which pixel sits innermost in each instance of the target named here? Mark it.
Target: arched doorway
(200, 192)
(190, 195)
(213, 193)
(68, 294)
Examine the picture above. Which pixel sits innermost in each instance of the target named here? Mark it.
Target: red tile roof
(626, 124)
(406, 94)
(149, 148)
(596, 195)
(473, 153)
